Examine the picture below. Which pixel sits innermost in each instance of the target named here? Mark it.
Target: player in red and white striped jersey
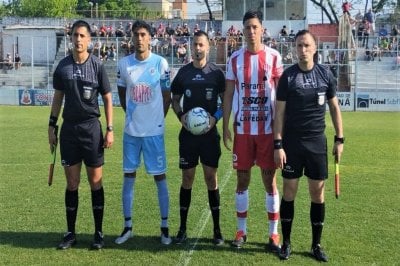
(252, 76)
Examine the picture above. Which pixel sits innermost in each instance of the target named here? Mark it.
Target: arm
(54, 113)
(279, 153)
(227, 109)
(176, 106)
(122, 97)
(108, 110)
(166, 94)
(336, 117)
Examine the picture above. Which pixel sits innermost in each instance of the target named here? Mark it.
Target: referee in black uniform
(300, 142)
(78, 80)
(200, 84)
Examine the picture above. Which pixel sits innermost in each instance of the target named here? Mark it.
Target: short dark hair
(200, 33)
(141, 24)
(304, 32)
(80, 23)
(253, 14)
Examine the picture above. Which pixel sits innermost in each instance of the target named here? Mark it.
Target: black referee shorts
(206, 147)
(82, 142)
(305, 154)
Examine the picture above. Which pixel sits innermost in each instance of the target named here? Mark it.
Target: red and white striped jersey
(255, 76)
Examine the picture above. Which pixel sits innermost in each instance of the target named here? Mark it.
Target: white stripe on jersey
(254, 96)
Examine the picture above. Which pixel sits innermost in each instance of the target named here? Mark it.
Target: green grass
(360, 228)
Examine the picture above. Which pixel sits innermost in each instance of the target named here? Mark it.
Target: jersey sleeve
(230, 75)
(277, 69)
(332, 85)
(176, 87)
(221, 81)
(281, 92)
(165, 78)
(120, 75)
(104, 83)
(57, 79)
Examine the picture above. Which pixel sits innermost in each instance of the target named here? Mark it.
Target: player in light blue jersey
(144, 92)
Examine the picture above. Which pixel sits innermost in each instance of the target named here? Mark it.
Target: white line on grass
(186, 255)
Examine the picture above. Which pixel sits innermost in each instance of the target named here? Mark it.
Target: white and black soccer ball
(197, 120)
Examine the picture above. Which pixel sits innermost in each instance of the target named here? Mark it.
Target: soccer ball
(197, 120)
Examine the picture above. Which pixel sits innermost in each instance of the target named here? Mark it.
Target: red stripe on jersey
(261, 75)
(273, 216)
(241, 214)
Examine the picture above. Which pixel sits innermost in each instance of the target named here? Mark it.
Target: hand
(52, 138)
(108, 139)
(212, 122)
(280, 158)
(337, 151)
(227, 138)
(184, 121)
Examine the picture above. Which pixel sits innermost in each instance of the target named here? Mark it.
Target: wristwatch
(110, 128)
(340, 140)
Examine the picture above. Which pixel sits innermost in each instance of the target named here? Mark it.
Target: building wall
(163, 6)
(31, 43)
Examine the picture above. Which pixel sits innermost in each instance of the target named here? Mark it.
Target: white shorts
(153, 149)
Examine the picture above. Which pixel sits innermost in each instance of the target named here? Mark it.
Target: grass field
(361, 227)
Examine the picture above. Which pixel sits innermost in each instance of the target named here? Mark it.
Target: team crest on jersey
(198, 77)
(141, 93)
(321, 98)
(152, 71)
(209, 93)
(188, 93)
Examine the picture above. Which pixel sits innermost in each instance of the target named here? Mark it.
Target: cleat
(240, 239)
(165, 239)
(318, 253)
(180, 237)
(68, 241)
(273, 244)
(218, 240)
(98, 242)
(285, 251)
(125, 235)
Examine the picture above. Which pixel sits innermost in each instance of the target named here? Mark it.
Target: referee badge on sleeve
(321, 98)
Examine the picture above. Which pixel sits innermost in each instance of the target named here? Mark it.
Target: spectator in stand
(111, 52)
(368, 55)
(370, 17)
(110, 31)
(283, 34)
(382, 31)
(8, 62)
(68, 28)
(376, 52)
(17, 61)
(103, 52)
(366, 32)
(179, 30)
(360, 33)
(186, 30)
(120, 31)
(181, 53)
(170, 30)
(359, 17)
(128, 29)
(394, 31)
(231, 31)
(196, 28)
(291, 36)
(266, 35)
(161, 30)
(96, 48)
(94, 30)
(103, 31)
(384, 45)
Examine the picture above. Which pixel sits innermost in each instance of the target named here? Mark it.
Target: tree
(43, 8)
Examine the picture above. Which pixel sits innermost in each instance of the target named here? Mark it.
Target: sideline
(186, 255)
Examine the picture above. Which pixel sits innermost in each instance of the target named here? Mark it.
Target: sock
(242, 205)
(287, 214)
(98, 209)
(213, 200)
(317, 217)
(128, 194)
(163, 201)
(71, 207)
(272, 207)
(185, 196)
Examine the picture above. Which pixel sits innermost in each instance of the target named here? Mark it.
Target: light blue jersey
(144, 82)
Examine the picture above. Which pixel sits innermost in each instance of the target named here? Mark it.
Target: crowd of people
(252, 94)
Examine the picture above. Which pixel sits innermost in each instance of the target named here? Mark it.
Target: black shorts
(308, 154)
(82, 142)
(206, 147)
